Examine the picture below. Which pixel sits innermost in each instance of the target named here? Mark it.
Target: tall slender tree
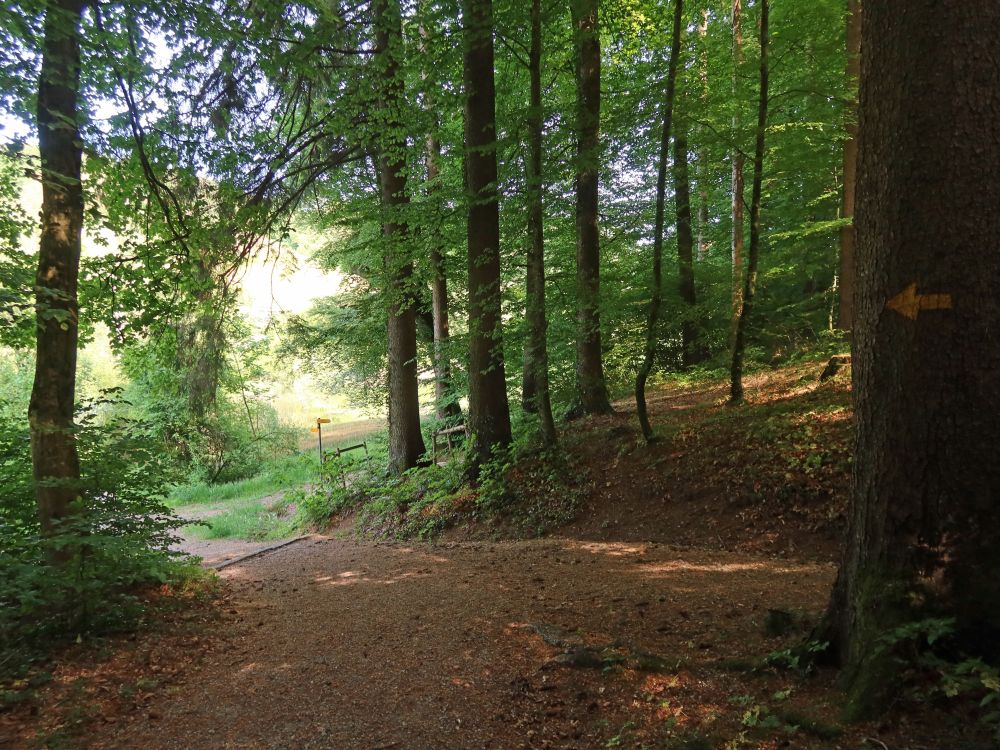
(446, 404)
(536, 394)
(753, 254)
(489, 412)
(406, 443)
(924, 533)
(592, 390)
(656, 285)
(685, 244)
(845, 313)
(737, 175)
(51, 410)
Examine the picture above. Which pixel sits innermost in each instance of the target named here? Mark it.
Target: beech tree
(536, 396)
(656, 286)
(489, 411)
(592, 391)
(51, 412)
(845, 313)
(924, 533)
(753, 252)
(406, 443)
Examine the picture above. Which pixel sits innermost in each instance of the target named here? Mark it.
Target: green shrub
(86, 577)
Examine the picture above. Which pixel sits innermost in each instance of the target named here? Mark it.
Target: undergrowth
(526, 489)
(92, 573)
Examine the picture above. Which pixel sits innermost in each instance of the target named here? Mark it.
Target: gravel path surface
(334, 644)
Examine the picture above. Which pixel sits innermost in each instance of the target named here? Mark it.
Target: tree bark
(489, 413)
(536, 395)
(56, 465)
(845, 313)
(685, 245)
(924, 533)
(445, 399)
(750, 281)
(703, 166)
(406, 443)
(737, 177)
(592, 390)
(656, 288)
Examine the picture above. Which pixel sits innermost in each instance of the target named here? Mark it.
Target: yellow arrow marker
(909, 304)
(314, 429)
(322, 420)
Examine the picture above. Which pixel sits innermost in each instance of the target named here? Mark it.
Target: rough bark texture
(536, 397)
(406, 443)
(753, 253)
(592, 390)
(50, 412)
(924, 536)
(845, 313)
(737, 177)
(685, 245)
(656, 288)
(489, 414)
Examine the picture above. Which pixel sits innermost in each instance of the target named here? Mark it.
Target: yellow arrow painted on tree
(909, 304)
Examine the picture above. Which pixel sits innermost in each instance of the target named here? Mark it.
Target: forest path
(329, 643)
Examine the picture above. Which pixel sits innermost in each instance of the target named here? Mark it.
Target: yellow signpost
(318, 429)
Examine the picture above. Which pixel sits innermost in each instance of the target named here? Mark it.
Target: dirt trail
(334, 644)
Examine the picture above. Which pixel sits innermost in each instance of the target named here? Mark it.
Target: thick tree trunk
(924, 533)
(536, 356)
(845, 315)
(685, 246)
(50, 413)
(406, 443)
(753, 254)
(737, 178)
(592, 390)
(489, 413)
(656, 288)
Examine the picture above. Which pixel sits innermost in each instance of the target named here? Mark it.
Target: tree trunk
(656, 290)
(489, 414)
(750, 281)
(703, 166)
(592, 390)
(737, 178)
(406, 443)
(924, 533)
(685, 246)
(50, 413)
(446, 400)
(536, 396)
(845, 316)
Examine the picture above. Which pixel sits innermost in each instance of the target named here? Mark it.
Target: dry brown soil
(581, 641)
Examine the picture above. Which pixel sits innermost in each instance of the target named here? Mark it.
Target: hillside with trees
(656, 339)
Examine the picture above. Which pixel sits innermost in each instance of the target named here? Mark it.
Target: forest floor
(662, 617)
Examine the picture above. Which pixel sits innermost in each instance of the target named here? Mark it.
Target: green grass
(248, 519)
(282, 474)
(256, 508)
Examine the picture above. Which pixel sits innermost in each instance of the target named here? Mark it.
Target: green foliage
(932, 665)
(531, 488)
(86, 577)
(273, 476)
